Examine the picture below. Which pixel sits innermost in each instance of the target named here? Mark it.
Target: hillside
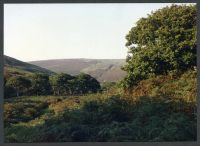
(161, 108)
(13, 67)
(101, 69)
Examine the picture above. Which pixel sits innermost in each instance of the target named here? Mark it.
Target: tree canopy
(64, 84)
(17, 84)
(61, 84)
(165, 41)
(87, 84)
(40, 84)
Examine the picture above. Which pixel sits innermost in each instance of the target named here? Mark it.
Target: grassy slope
(16, 67)
(159, 109)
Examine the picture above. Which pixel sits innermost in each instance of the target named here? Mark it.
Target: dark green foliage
(61, 84)
(164, 41)
(116, 109)
(20, 84)
(40, 84)
(64, 84)
(180, 126)
(9, 91)
(87, 84)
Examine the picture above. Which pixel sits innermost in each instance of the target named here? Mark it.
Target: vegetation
(19, 84)
(40, 84)
(59, 84)
(15, 66)
(164, 42)
(108, 116)
(101, 69)
(160, 104)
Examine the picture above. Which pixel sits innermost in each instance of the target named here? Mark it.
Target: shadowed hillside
(13, 67)
(101, 69)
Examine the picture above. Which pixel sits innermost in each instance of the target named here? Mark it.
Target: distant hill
(101, 69)
(16, 67)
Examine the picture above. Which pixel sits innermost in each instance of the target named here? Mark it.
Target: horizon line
(80, 58)
(68, 58)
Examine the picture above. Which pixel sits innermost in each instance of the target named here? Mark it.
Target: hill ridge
(101, 69)
(12, 65)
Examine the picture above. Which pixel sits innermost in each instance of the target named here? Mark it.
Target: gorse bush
(164, 41)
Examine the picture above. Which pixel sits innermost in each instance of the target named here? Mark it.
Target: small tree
(19, 84)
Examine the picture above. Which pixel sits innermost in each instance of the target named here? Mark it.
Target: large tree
(164, 41)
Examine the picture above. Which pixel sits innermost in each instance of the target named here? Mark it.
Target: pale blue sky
(57, 31)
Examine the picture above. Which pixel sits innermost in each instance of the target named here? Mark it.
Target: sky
(60, 31)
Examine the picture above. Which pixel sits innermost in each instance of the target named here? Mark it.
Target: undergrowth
(162, 108)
